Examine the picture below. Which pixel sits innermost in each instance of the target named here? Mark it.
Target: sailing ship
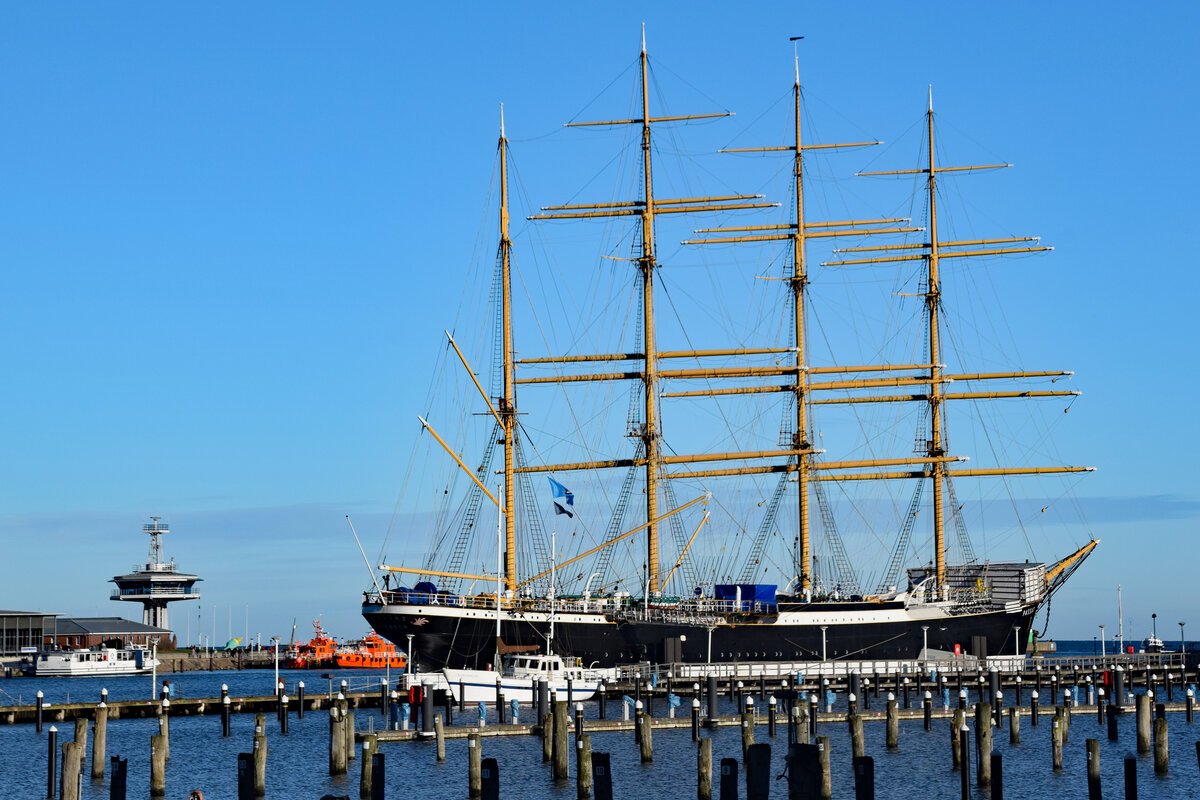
(694, 611)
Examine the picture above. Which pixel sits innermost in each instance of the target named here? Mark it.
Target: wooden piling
(439, 735)
(1014, 725)
(893, 726)
(959, 721)
(51, 762)
(583, 767)
(260, 764)
(826, 776)
(758, 772)
(747, 734)
(857, 747)
(158, 766)
(99, 741)
(1064, 724)
(800, 723)
(348, 729)
(369, 746)
(81, 736)
(72, 764)
(1160, 746)
(1093, 769)
(704, 770)
(337, 742)
(1143, 723)
(164, 728)
(560, 752)
(964, 759)
(647, 745)
(1056, 744)
(983, 739)
(474, 764)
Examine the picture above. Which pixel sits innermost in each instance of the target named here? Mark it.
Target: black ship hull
(447, 636)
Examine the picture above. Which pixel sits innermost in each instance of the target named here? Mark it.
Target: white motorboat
(130, 660)
(519, 679)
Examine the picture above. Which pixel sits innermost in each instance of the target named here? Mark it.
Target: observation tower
(155, 583)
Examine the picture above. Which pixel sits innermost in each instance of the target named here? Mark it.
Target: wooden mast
(508, 405)
(933, 295)
(646, 264)
(799, 281)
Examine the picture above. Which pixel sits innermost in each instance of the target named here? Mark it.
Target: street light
(1102, 653)
(924, 642)
(275, 639)
(823, 642)
(1154, 626)
(1182, 644)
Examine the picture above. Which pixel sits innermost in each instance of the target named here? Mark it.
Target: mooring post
(983, 743)
(1056, 744)
(543, 698)
(799, 724)
(583, 767)
(893, 724)
(695, 719)
(370, 744)
(117, 783)
(39, 699)
(813, 710)
(578, 722)
(864, 778)
(1112, 722)
(1143, 723)
(826, 775)
(964, 760)
(378, 775)
(962, 698)
(857, 746)
(72, 764)
(300, 700)
(348, 728)
(499, 702)
(1100, 704)
(927, 711)
(337, 741)
(51, 762)
(1093, 769)
(1160, 746)
(474, 764)
(647, 743)
(1014, 725)
(283, 718)
(1033, 708)
(547, 738)
(99, 740)
(1190, 704)
(225, 712)
(758, 772)
(1131, 792)
(704, 774)
(771, 709)
(602, 699)
(997, 772)
(747, 720)
(637, 721)
(561, 768)
(1119, 686)
(439, 735)
(959, 721)
(260, 764)
(158, 766)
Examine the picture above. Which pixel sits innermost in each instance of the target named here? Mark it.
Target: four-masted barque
(977, 607)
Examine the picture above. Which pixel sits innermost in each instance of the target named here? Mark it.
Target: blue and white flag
(560, 510)
(561, 491)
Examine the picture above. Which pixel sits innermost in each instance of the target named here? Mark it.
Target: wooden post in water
(826, 776)
(260, 764)
(547, 738)
(369, 746)
(964, 759)
(1143, 723)
(800, 723)
(51, 762)
(983, 741)
(1130, 776)
(747, 734)
(1060, 714)
(857, 747)
(1093, 769)
(1014, 725)
(337, 741)
(997, 771)
(1056, 744)
(959, 721)
(864, 778)
(647, 745)
(1160, 746)
(164, 728)
(583, 767)
(99, 740)
(439, 735)
(758, 772)
(72, 764)
(893, 726)
(348, 729)
(158, 766)
(704, 770)
(560, 752)
(474, 763)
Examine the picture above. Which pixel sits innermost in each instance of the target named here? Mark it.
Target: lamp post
(924, 642)
(1102, 653)
(823, 642)
(1153, 626)
(409, 656)
(1182, 644)
(275, 639)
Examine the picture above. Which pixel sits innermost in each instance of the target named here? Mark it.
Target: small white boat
(130, 660)
(519, 679)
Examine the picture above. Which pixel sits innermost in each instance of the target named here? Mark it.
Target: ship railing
(799, 671)
(1051, 664)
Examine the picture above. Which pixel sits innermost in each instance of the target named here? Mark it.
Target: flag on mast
(561, 491)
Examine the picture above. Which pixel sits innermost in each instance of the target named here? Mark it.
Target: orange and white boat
(373, 652)
(319, 652)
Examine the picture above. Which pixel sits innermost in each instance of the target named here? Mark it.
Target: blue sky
(231, 237)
